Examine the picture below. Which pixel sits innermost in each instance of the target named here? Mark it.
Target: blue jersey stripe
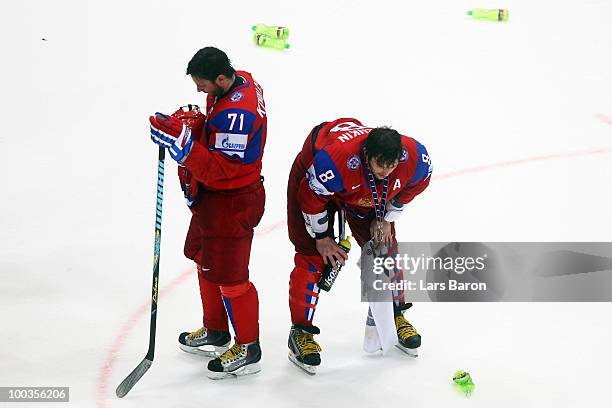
(327, 173)
(423, 168)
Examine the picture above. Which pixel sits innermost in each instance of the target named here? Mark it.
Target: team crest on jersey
(404, 156)
(353, 162)
(236, 96)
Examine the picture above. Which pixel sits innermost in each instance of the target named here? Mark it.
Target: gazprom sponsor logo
(314, 184)
(316, 187)
(228, 144)
(231, 143)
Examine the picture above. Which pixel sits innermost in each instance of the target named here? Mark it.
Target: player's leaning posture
(219, 159)
(370, 173)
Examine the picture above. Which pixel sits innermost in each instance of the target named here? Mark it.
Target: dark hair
(384, 145)
(209, 63)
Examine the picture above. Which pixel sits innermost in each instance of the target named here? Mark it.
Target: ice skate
(240, 360)
(205, 342)
(409, 339)
(303, 349)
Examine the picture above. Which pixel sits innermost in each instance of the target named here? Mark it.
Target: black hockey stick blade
(136, 374)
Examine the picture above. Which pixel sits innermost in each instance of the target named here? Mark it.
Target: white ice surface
(78, 172)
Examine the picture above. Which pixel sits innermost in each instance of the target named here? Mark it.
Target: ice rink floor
(517, 118)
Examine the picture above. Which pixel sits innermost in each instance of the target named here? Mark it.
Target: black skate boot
(241, 359)
(303, 349)
(409, 339)
(205, 342)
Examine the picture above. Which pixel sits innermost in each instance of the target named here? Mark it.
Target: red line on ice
(126, 329)
(124, 332)
(493, 166)
(604, 118)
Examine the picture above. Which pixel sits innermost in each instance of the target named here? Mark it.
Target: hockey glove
(172, 134)
(394, 210)
(189, 187)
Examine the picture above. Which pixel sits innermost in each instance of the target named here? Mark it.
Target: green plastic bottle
(262, 40)
(282, 33)
(463, 382)
(490, 15)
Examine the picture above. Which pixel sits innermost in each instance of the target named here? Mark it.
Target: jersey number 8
(325, 177)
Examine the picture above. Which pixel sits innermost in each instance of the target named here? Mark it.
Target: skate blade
(241, 372)
(411, 352)
(308, 369)
(211, 352)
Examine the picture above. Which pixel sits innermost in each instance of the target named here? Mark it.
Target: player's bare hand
(381, 235)
(330, 251)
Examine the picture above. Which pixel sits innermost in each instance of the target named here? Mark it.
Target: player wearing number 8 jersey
(370, 174)
(219, 159)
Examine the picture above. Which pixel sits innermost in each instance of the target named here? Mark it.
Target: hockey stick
(127, 384)
(341, 225)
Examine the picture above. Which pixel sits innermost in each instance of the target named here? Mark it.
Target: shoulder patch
(236, 96)
(404, 156)
(353, 162)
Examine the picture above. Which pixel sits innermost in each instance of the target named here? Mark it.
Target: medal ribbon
(380, 209)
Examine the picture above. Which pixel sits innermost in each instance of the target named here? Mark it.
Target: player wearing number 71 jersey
(368, 173)
(219, 159)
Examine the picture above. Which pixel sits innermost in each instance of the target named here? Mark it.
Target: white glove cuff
(394, 211)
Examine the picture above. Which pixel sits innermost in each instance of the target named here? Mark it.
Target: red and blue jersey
(337, 171)
(227, 154)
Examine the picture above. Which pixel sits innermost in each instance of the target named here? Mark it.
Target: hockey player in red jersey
(368, 173)
(219, 158)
